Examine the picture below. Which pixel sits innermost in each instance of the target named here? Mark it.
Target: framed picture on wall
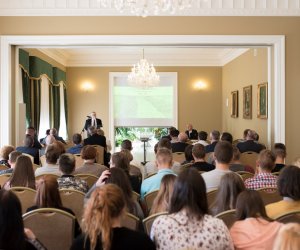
(235, 104)
(262, 100)
(247, 102)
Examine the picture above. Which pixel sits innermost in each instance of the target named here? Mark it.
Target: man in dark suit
(29, 148)
(181, 144)
(214, 138)
(191, 133)
(92, 121)
(53, 132)
(95, 139)
(250, 144)
(31, 131)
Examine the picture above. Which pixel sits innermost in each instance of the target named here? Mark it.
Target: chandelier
(143, 75)
(147, 7)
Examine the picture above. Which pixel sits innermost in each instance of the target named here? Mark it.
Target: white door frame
(276, 66)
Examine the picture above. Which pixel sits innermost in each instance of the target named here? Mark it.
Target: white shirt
(204, 143)
(212, 178)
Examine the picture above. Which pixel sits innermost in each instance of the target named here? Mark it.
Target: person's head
(256, 137)
(288, 237)
(223, 152)
(164, 143)
(189, 127)
(60, 147)
(174, 133)
(214, 135)
(47, 195)
(164, 158)
(48, 131)
(245, 133)
(280, 151)
(236, 154)
(189, 193)
(28, 141)
(120, 160)
(77, 139)
(52, 154)
(198, 151)
(170, 129)
(11, 223)
(53, 131)
(100, 131)
(182, 137)
(30, 131)
(231, 185)
(227, 137)
(5, 151)
(266, 161)
(249, 204)
(126, 144)
(105, 207)
(162, 201)
(93, 114)
(23, 175)
(92, 130)
(66, 163)
(251, 135)
(89, 153)
(13, 158)
(202, 135)
(289, 182)
(127, 154)
(50, 139)
(188, 153)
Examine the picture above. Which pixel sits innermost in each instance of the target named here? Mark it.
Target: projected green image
(154, 102)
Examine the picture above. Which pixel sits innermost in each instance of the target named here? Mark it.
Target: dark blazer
(95, 139)
(58, 138)
(193, 135)
(203, 166)
(34, 152)
(178, 146)
(250, 145)
(211, 147)
(88, 123)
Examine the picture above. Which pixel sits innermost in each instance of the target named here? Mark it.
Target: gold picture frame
(262, 100)
(247, 102)
(235, 104)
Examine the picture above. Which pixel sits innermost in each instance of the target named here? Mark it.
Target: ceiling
(127, 56)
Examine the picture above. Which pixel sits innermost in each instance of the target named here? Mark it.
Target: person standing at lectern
(92, 121)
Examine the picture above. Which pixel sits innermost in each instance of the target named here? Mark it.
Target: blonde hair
(288, 237)
(106, 203)
(164, 156)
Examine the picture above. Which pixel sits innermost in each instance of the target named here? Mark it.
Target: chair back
(211, 197)
(136, 196)
(78, 161)
(130, 221)
(178, 156)
(3, 167)
(38, 177)
(26, 197)
(100, 154)
(249, 158)
(147, 223)
(53, 227)
(209, 157)
(89, 178)
(4, 178)
(289, 217)
(34, 167)
(74, 200)
(149, 198)
(30, 156)
(228, 217)
(245, 175)
(269, 195)
(43, 160)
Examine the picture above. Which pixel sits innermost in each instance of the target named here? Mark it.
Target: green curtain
(38, 67)
(55, 114)
(26, 88)
(35, 103)
(66, 107)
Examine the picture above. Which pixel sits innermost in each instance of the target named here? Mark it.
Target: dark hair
(28, 141)
(13, 156)
(215, 134)
(236, 153)
(164, 143)
(198, 151)
(52, 154)
(174, 133)
(77, 138)
(155, 148)
(88, 152)
(227, 137)
(202, 135)
(66, 163)
(188, 153)
(289, 182)
(12, 234)
(266, 160)
(223, 152)
(245, 133)
(48, 132)
(280, 150)
(231, 185)
(120, 160)
(126, 144)
(189, 193)
(249, 204)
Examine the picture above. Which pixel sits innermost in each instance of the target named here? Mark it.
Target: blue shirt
(153, 183)
(76, 150)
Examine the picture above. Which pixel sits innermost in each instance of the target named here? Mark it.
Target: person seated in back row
(181, 144)
(77, 140)
(191, 133)
(12, 162)
(200, 164)
(250, 144)
(236, 165)
(29, 149)
(280, 153)
(202, 136)
(53, 132)
(214, 138)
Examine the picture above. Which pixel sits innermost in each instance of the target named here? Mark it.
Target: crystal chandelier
(147, 7)
(143, 75)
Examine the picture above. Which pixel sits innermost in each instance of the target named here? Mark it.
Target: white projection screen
(143, 107)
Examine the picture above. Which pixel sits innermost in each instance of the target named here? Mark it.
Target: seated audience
(32, 132)
(12, 162)
(168, 136)
(23, 175)
(288, 237)
(48, 141)
(250, 144)
(264, 178)
(227, 137)
(174, 135)
(202, 136)
(127, 144)
(51, 166)
(42, 140)
(200, 164)
(181, 144)
(214, 138)
(280, 154)
(95, 139)
(89, 154)
(223, 155)
(236, 165)
(188, 224)
(66, 164)
(231, 186)
(188, 155)
(77, 140)
(162, 200)
(29, 148)
(13, 235)
(191, 133)
(164, 160)
(108, 142)
(289, 189)
(53, 132)
(101, 223)
(253, 228)
(133, 170)
(4, 154)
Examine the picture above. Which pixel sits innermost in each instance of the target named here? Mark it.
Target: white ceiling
(127, 56)
(199, 8)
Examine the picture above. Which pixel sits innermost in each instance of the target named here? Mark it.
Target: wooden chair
(4, 178)
(78, 161)
(26, 197)
(35, 166)
(269, 195)
(228, 217)
(38, 177)
(135, 196)
(245, 175)
(43, 160)
(89, 178)
(74, 200)
(211, 197)
(178, 156)
(3, 167)
(53, 227)
(147, 223)
(130, 221)
(289, 217)
(100, 154)
(149, 198)
(249, 158)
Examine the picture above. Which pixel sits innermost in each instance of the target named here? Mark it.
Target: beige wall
(288, 26)
(192, 103)
(245, 70)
